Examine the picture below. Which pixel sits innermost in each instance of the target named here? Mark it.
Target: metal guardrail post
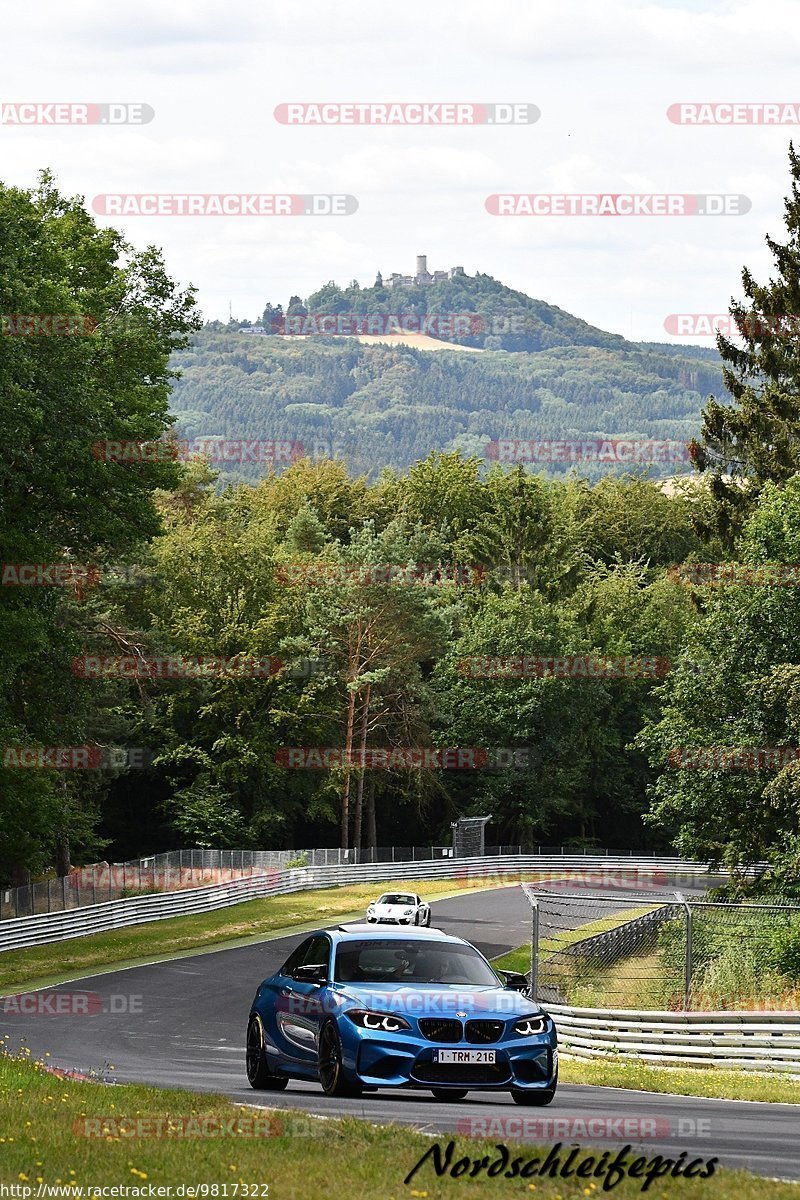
(687, 961)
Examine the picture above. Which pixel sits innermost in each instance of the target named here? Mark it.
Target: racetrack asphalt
(181, 1023)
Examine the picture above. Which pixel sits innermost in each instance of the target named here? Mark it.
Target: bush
(300, 861)
(786, 949)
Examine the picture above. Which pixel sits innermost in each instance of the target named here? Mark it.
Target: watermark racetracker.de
(321, 574)
(736, 574)
(396, 758)
(571, 666)
(734, 112)
(51, 1003)
(46, 324)
(178, 666)
(593, 879)
(48, 113)
(616, 204)
(587, 450)
(83, 757)
(589, 1126)
(175, 666)
(750, 325)
(215, 449)
(448, 112)
(48, 574)
(77, 758)
(224, 204)
(173, 1127)
(732, 758)
(437, 325)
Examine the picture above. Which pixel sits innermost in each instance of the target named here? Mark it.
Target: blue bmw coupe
(359, 1008)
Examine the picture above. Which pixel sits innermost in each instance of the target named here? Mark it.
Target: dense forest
(373, 405)
(325, 656)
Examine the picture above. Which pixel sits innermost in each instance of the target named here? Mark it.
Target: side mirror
(515, 981)
(311, 973)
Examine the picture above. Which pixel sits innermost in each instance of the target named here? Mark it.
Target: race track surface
(181, 1024)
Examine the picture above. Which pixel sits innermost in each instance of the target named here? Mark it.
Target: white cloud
(602, 76)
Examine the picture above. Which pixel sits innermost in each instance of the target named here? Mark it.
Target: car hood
(436, 1000)
(391, 910)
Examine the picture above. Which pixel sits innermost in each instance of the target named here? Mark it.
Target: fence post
(687, 962)
(534, 991)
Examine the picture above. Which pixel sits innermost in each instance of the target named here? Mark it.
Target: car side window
(297, 957)
(314, 951)
(318, 952)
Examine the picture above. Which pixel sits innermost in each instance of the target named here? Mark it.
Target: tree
(444, 491)
(62, 501)
(752, 441)
(736, 691)
(377, 635)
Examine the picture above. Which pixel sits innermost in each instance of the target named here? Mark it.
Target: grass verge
(44, 1143)
(724, 1083)
(520, 959)
(254, 919)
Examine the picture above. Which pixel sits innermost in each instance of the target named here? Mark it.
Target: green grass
(724, 1083)
(300, 1158)
(520, 959)
(253, 920)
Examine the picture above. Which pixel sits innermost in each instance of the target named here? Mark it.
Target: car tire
(259, 1075)
(449, 1093)
(428, 920)
(330, 1065)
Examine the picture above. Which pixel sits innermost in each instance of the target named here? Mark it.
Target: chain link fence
(178, 869)
(670, 952)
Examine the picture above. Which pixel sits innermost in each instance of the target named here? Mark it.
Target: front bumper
(407, 1060)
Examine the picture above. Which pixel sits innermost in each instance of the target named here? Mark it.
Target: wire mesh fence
(178, 869)
(669, 952)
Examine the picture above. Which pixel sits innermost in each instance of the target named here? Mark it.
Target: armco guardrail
(44, 928)
(758, 1041)
(620, 941)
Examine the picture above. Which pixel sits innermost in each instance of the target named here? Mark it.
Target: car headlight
(409, 912)
(371, 908)
(529, 1026)
(388, 1022)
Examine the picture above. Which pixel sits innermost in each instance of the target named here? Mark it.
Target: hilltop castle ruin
(423, 277)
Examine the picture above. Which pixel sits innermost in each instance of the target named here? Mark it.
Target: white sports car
(399, 908)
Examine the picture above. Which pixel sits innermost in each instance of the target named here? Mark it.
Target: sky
(601, 75)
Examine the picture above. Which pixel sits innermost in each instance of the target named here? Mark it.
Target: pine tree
(756, 438)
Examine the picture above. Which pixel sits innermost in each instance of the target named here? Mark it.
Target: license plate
(464, 1056)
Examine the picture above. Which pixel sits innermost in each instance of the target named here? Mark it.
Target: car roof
(388, 932)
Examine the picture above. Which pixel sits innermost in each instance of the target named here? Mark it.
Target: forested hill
(504, 319)
(379, 404)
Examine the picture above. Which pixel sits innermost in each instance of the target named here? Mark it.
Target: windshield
(398, 961)
(392, 898)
